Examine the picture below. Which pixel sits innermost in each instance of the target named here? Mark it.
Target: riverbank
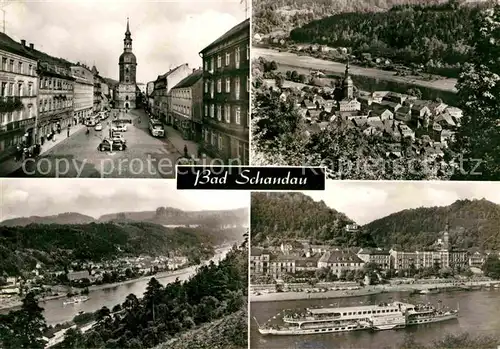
(293, 60)
(369, 290)
(15, 302)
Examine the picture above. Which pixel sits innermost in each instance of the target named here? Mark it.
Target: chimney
(23, 42)
(194, 69)
(32, 46)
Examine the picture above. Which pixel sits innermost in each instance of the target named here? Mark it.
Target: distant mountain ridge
(162, 215)
(472, 223)
(277, 217)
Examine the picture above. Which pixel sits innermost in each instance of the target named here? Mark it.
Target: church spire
(127, 42)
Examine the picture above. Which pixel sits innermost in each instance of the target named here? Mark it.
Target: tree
(415, 92)
(23, 328)
(478, 91)
(491, 267)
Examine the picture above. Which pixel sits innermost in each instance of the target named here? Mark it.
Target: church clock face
(127, 59)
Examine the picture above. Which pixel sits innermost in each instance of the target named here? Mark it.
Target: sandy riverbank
(365, 291)
(293, 60)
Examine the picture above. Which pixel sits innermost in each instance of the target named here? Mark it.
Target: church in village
(125, 96)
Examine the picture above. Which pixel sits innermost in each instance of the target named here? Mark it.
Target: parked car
(98, 127)
(120, 128)
(111, 144)
(118, 137)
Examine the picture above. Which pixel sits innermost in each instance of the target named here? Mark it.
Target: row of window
(228, 112)
(183, 109)
(345, 264)
(221, 142)
(210, 86)
(184, 93)
(10, 65)
(46, 105)
(55, 84)
(210, 63)
(7, 118)
(16, 89)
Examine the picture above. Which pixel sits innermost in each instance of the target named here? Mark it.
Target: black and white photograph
(396, 265)
(122, 89)
(122, 264)
(378, 90)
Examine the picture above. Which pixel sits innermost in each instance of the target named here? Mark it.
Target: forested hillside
(282, 216)
(214, 297)
(437, 36)
(56, 245)
(270, 16)
(473, 223)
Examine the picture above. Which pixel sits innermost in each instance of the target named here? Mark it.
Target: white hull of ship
(294, 332)
(432, 319)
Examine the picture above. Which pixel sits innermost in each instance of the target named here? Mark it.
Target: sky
(367, 201)
(165, 34)
(96, 197)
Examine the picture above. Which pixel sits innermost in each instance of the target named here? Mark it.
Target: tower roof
(128, 28)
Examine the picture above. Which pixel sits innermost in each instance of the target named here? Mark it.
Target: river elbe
(479, 315)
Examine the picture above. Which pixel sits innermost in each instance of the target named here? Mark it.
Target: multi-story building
(259, 261)
(477, 259)
(55, 99)
(442, 255)
(162, 97)
(18, 95)
(186, 105)
(125, 97)
(98, 105)
(338, 261)
(83, 92)
(226, 87)
(375, 255)
(150, 87)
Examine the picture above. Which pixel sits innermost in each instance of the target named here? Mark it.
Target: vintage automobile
(108, 144)
(98, 127)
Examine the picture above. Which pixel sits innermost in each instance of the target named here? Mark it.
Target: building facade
(125, 97)
(187, 104)
(162, 96)
(83, 93)
(378, 256)
(226, 87)
(55, 100)
(18, 96)
(150, 87)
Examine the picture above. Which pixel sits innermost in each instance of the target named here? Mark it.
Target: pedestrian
(186, 155)
(68, 131)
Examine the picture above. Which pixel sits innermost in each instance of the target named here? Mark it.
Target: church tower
(126, 94)
(446, 237)
(348, 84)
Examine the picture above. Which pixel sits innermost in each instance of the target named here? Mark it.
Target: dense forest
(230, 332)
(176, 313)
(162, 215)
(274, 15)
(56, 245)
(439, 36)
(165, 312)
(277, 217)
(472, 223)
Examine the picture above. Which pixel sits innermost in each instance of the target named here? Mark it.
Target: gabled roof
(190, 80)
(10, 45)
(160, 77)
(243, 26)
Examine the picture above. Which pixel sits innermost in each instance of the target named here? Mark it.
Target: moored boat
(76, 300)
